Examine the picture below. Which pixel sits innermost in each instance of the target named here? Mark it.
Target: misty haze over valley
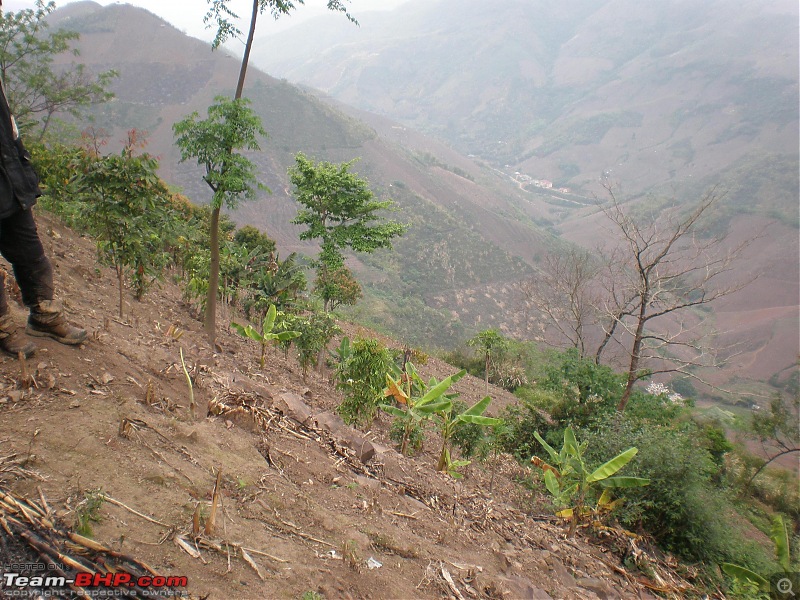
(495, 131)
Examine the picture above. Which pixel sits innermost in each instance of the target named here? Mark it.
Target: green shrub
(524, 418)
(316, 329)
(415, 434)
(586, 390)
(468, 436)
(362, 378)
(681, 508)
(465, 359)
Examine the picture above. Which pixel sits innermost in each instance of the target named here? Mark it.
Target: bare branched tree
(562, 292)
(778, 430)
(664, 270)
(639, 296)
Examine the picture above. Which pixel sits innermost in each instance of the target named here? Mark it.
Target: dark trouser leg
(20, 245)
(19, 242)
(3, 295)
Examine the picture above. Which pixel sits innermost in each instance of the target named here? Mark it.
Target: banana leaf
(744, 574)
(624, 482)
(781, 539)
(284, 336)
(551, 482)
(479, 420)
(612, 466)
(392, 410)
(269, 319)
(553, 454)
(395, 390)
(570, 443)
(441, 387)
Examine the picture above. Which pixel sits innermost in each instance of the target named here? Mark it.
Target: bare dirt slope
(114, 415)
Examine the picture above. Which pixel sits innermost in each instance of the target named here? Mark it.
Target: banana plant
(746, 577)
(265, 336)
(450, 466)
(343, 352)
(419, 400)
(571, 481)
(433, 403)
(448, 423)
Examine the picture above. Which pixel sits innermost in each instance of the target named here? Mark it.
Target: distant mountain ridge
(476, 231)
(649, 93)
(165, 75)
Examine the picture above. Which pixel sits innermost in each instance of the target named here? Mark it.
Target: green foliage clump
(336, 287)
(574, 484)
(464, 359)
(127, 208)
(252, 237)
(411, 435)
(361, 376)
(88, 511)
(681, 508)
(36, 86)
(469, 436)
(316, 329)
(491, 344)
(339, 209)
(689, 506)
(586, 390)
(522, 419)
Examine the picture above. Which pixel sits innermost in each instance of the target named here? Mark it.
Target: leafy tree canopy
(221, 16)
(231, 125)
(340, 210)
(35, 90)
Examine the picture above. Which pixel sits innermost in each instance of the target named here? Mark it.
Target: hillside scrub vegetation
(684, 486)
(694, 495)
(696, 498)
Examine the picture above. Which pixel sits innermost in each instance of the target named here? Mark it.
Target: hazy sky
(187, 15)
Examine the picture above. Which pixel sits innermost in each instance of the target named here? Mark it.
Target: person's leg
(21, 246)
(11, 340)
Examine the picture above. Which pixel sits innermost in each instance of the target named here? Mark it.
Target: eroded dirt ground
(313, 516)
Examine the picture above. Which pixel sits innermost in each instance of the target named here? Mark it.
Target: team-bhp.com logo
(93, 585)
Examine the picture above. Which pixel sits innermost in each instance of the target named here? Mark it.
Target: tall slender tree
(340, 210)
(220, 15)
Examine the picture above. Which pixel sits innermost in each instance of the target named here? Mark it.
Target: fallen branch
(111, 500)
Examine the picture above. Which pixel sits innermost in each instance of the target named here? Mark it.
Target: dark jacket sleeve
(19, 184)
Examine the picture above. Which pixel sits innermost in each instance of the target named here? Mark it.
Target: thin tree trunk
(213, 278)
(247, 47)
(321, 360)
(487, 373)
(636, 352)
(762, 467)
(209, 323)
(120, 281)
(609, 334)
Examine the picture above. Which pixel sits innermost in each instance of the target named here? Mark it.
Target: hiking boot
(12, 341)
(47, 320)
